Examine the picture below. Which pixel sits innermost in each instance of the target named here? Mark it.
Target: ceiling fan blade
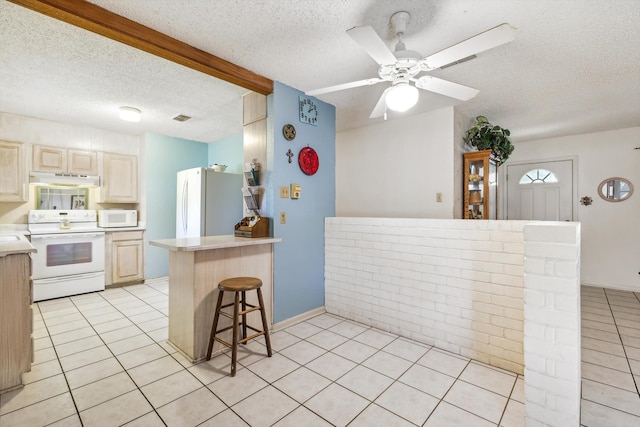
(344, 86)
(445, 87)
(484, 41)
(381, 107)
(371, 42)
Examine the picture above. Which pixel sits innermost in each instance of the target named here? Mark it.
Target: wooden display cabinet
(480, 185)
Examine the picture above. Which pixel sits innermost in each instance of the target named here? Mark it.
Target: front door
(540, 191)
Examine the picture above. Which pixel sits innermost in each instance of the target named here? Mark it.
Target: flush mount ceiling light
(130, 114)
(401, 97)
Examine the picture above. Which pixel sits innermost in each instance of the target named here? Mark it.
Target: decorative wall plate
(289, 132)
(308, 160)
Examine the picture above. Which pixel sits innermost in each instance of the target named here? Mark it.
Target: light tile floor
(101, 360)
(610, 357)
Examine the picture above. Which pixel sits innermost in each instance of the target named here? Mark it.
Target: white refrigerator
(209, 202)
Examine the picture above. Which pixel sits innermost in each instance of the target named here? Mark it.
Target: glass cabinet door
(480, 186)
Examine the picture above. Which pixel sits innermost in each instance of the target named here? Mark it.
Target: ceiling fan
(403, 66)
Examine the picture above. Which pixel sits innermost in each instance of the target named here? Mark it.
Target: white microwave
(117, 218)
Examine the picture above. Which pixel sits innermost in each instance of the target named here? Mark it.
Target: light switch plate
(438, 197)
(284, 192)
(283, 217)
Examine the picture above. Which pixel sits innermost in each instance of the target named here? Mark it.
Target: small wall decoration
(308, 160)
(289, 154)
(586, 201)
(289, 132)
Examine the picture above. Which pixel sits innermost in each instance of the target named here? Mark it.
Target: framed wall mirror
(615, 189)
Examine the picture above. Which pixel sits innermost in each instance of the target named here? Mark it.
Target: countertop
(14, 243)
(212, 242)
(112, 229)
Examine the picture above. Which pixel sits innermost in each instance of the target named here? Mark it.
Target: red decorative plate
(308, 160)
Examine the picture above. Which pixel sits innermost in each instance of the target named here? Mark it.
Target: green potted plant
(485, 136)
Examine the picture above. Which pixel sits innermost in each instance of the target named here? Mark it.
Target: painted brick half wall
(454, 284)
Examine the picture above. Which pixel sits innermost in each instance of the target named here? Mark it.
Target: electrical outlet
(438, 197)
(283, 217)
(284, 192)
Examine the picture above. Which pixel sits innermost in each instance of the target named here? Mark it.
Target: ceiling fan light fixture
(130, 114)
(401, 97)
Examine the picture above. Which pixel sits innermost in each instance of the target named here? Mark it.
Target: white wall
(552, 341)
(610, 231)
(395, 168)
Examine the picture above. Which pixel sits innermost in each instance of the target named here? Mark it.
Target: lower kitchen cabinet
(124, 257)
(16, 320)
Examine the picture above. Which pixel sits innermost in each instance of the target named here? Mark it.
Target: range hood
(69, 180)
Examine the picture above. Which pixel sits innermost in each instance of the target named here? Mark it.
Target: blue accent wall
(165, 156)
(299, 258)
(228, 151)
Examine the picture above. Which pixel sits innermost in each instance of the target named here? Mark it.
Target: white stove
(62, 221)
(70, 257)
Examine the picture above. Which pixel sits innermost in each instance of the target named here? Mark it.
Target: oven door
(67, 254)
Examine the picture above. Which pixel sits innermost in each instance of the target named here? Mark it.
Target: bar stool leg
(214, 327)
(244, 316)
(265, 327)
(234, 348)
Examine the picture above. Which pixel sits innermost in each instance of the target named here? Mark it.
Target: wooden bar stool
(239, 285)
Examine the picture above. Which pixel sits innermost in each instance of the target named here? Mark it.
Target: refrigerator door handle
(185, 200)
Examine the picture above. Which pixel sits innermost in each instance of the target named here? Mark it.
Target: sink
(9, 238)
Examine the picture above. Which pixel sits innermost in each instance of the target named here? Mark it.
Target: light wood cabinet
(119, 178)
(12, 173)
(82, 162)
(125, 257)
(16, 320)
(480, 185)
(63, 160)
(49, 159)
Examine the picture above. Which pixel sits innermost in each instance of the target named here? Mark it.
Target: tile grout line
(622, 342)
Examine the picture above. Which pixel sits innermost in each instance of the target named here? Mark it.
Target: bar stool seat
(239, 286)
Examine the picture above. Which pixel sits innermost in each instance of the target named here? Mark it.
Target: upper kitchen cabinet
(63, 160)
(119, 178)
(82, 162)
(12, 173)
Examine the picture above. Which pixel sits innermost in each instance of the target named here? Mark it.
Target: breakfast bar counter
(196, 266)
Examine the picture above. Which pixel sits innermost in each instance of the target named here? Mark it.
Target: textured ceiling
(573, 68)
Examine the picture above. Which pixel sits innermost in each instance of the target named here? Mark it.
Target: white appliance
(117, 218)
(209, 202)
(70, 253)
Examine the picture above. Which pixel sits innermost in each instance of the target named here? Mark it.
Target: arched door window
(538, 176)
